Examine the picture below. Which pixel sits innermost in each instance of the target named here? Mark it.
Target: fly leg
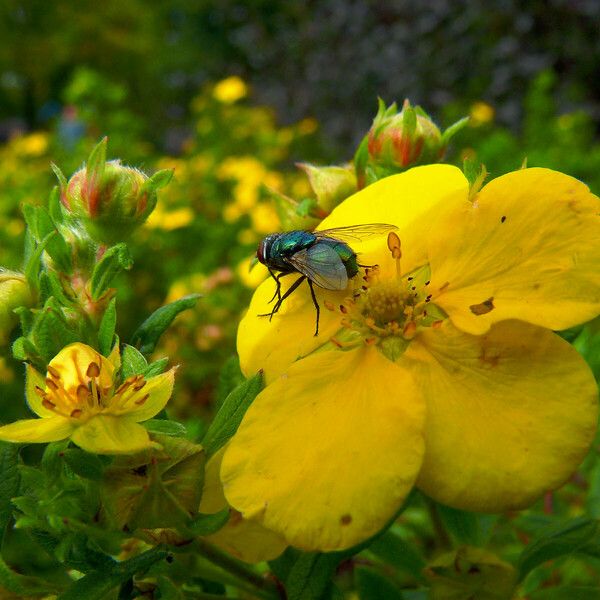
(277, 279)
(314, 299)
(279, 302)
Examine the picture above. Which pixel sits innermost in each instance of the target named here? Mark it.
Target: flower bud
(108, 199)
(400, 140)
(14, 292)
(331, 184)
(470, 572)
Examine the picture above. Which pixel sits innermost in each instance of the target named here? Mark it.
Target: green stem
(261, 586)
(442, 538)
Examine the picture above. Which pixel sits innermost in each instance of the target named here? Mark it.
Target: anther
(51, 384)
(139, 386)
(93, 370)
(53, 372)
(142, 400)
(39, 391)
(328, 305)
(48, 404)
(82, 393)
(437, 324)
(76, 413)
(343, 309)
(393, 242)
(409, 330)
(370, 341)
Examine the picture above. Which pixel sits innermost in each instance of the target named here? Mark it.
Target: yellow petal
(327, 453)
(528, 248)
(246, 540)
(49, 429)
(159, 390)
(34, 379)
(408, 200)
(72, 363)
(274, 345)
(108, 434)
(510, 414)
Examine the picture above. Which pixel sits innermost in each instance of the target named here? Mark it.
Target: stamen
(142, 400)
(393, 242)
(51, 384)
(75, 414)
(139, 386)
(83, 395)
(93, 370)
(48, 404)
(53, 372)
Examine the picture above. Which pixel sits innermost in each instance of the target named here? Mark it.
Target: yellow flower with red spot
(80, 398)
(438, 368)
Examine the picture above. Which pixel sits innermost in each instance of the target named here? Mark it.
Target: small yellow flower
(438, 369)
(80, 399)
(264, 218)
(481, 113)
(230, 90)
(170, 220)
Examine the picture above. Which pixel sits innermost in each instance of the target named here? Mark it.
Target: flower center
(88, 396)
(388, 313)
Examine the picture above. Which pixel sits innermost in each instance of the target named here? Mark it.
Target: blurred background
(232, 94)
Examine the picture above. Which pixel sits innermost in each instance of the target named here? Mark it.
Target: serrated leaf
(133, 361)
(578, 536)
(230, 415)
(106, 331)
(84, 464)
(165, 427)
(203, 525)
(371, 585)
(114, 261)
(148, 333)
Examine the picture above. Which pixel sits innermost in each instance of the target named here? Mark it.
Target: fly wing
(356, 233)
(321, 264)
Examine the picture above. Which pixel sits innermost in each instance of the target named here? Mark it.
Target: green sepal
(106, 331)
(361, 158)
(156, 368)
(148, 333)
(409, 120)
(54, 206)
(115, 260)
(97, 160)
(165, 427)
(33, 263)
(454, 129)
(133, 362)
(207, 524)
(159, 180)
(229, 416)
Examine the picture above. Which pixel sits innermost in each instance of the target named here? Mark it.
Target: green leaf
(168, 590)
(97, 584)
(566, 592)
(375, 586)
(466, 527)
(230, 377)
(578, 536)
(132, 361)
(114, 261)
(310, 576)
(34, 262)
(148, 333)
(454, 129)
(50, 332)
(230, 415)
(84, 464)
(106, 331)
(159, 180)
(22, 585)
(54, 206)
(165, 427)
(9, 481)
(203, 525)
(62, 180)
(398, 553)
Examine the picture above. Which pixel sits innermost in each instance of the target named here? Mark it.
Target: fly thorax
(388, 312)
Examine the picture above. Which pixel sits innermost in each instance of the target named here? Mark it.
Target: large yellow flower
(80, 399)
(437, 369)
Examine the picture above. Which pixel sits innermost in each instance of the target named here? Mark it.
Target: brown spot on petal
(345, 519)
(482, 309)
